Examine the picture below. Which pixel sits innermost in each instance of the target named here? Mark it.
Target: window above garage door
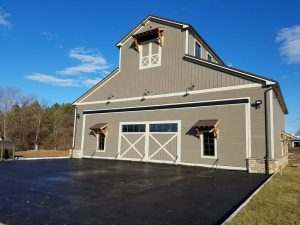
(134, 128)
(163, 127)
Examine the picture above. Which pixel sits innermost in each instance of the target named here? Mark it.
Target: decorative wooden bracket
(148, 35)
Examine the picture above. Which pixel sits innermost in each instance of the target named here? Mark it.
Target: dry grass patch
(277, 203)
(42, 153)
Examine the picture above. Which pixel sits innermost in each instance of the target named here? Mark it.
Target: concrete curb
(246, 202)
(63, 157)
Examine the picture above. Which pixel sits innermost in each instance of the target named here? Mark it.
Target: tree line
(32, 124)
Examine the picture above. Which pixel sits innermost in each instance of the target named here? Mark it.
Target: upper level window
(197, 50)
(150, 55)
(209, 58)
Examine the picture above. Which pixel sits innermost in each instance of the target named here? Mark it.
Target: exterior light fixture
(146, 93)
(189, 88)
(110, 96)
(77, 115)
(257, 104)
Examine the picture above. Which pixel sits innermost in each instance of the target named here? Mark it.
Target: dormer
(149, 45)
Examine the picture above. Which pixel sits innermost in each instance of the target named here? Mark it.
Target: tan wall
(279, 125)
(231, 146)
(257, 115)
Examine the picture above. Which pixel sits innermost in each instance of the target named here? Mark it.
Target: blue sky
(56, 49)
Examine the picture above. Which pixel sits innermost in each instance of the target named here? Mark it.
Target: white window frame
(97, 146)
(149, 57)
(210, 56)
(195, 41)
(202, 148)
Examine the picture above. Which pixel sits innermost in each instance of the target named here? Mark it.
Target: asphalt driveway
(69, 191)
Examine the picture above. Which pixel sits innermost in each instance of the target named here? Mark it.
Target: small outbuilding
(7, 149)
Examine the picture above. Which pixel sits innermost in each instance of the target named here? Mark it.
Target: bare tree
(8, 98)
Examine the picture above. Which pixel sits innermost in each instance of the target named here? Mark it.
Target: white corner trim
(268, 82)
(74, 128)
(82, 133)
(120, 57)
(272, 124)
(89, 94)
(246, 202)
(248, 129)
(228, 88)
(186, 41)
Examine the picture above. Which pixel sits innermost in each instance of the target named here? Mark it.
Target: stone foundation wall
(258, 165)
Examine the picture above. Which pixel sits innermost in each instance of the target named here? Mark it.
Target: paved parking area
(70, 191)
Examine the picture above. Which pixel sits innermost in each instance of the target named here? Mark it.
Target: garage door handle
(174, 161)
(142, 158)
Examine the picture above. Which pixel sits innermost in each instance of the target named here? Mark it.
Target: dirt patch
(42, 153)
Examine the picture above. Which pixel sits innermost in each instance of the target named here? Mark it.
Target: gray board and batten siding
(242, 126)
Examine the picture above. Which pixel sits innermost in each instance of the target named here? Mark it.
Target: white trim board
(174, 103)
(268, 82)
(228, 88)
(171, 163)
(272, 124)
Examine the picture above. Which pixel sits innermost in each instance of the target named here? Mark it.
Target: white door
(150, 141)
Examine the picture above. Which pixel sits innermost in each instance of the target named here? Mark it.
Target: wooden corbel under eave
(136, 44)
(161, 37)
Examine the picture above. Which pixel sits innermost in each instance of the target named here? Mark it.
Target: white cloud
(50, 36)
(91, 82)
(290, 44)
(48, 79)
(3, 19)
(91, 61)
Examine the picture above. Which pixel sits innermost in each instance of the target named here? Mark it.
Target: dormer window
(209, 58)
(149, 45)
(197, 50)
(150, 55)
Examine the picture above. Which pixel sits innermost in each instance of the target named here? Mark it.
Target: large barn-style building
(173, 100)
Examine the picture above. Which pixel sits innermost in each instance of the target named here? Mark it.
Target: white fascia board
(228, 88)
(268, 82)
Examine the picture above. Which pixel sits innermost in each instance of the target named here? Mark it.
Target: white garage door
(150, 141)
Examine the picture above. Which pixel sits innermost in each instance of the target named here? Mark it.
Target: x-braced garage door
(150, 141)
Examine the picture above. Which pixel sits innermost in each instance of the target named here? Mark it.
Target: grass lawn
(43, 153)
(277, 203)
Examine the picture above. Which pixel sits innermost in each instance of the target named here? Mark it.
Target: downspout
(74, 131)
(267, 129)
